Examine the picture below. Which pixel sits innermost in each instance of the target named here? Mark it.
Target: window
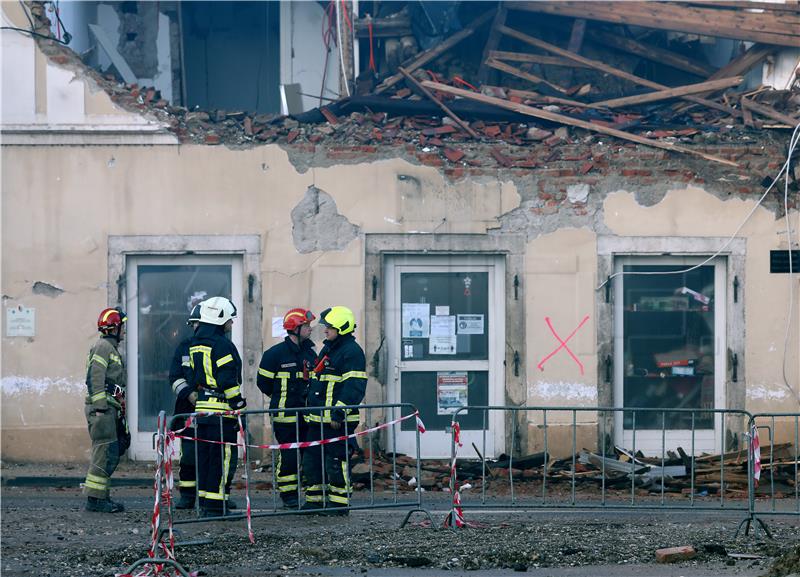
(670, 343)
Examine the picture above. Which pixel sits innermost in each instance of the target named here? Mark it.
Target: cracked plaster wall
(88, 193)
(56, 223)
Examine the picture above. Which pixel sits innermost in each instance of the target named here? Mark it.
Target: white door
(161, 291)
(445, 319)
(669, 352)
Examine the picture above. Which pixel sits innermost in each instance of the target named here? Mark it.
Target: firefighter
(105, 410)
(284, 375)
(341, 380)
(217, 373)
(181, 378)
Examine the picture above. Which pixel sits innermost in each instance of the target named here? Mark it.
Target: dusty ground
(45, 532)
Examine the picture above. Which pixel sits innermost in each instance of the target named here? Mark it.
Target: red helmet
(296, 318)
(110, 319)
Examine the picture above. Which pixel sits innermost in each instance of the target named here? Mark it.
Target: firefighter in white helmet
(217, 369)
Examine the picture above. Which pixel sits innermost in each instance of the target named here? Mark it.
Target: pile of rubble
(545, 88)
(618, 472)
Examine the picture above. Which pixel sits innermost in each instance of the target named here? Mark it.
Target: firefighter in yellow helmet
(105, 410)
(341, 380)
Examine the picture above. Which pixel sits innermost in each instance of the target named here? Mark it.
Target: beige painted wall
(61, 203)
(692, 212)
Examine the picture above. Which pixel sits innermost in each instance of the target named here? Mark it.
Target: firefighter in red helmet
(105, 410)
(283, 375)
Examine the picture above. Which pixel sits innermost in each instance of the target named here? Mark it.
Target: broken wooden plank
(769, 112)
(389, 27)
(484, 71)
(561, 119)
(737, 24)
(436, 51)
(530, 95)
(671, 92)
(534, 59)
(519, 73)
(576, 36)
(742, 64)
(653, 53)
(610, 69)
(464, 126)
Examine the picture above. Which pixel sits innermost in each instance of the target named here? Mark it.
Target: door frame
(438, 442)
(247, 247)
(142, 441)
(650, 441)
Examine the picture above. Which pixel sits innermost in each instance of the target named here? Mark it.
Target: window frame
(609, 249)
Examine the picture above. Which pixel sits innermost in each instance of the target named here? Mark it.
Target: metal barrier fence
(617, 481)
(393, 416)
(778, 489)
(162, 554)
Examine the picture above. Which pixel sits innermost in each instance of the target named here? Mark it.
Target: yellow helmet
(340, 318)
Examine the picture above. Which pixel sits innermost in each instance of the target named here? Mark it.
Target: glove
(238, 403)
(337, 415)
(193, 398)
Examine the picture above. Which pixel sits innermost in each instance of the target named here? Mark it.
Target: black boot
(103, 505)
(290, 502)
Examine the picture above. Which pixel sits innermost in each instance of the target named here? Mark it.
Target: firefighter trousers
(187, 474)
(331, 460)
(105, 450)
(286, 469)
(216, 463)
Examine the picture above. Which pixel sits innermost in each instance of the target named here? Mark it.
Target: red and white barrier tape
(162, 488)
(456, 516)
(164, 459)
(298, 444)
(246, 482)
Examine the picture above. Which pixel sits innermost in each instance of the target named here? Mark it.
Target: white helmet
(217, 311)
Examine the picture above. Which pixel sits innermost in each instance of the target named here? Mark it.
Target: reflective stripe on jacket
(284, 375)
(216, 369)
(105, 371)
(343, 381)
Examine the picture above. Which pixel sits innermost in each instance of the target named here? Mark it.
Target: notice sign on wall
(451, 392)
(470, 324)
(20, 322)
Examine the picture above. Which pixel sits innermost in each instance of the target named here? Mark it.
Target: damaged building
(476, 180)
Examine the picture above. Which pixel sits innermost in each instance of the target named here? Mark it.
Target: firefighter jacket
(181, 377)
(105, 372)
(342, 380)
(284, 375)
(216, 369)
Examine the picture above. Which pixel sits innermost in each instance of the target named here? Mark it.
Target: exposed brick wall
(543, 173)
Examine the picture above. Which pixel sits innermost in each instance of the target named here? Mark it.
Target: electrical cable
(784, 168)
(341, 51)
(372, 66)
(785, 172)
(36, 34)
(792, 145)
(27, 14)
(32, 32)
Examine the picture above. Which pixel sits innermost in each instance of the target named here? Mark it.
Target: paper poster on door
(416, 320)
(451, 392)
(470, 324)
(442, 345)
(277, 327)
(443, 326)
